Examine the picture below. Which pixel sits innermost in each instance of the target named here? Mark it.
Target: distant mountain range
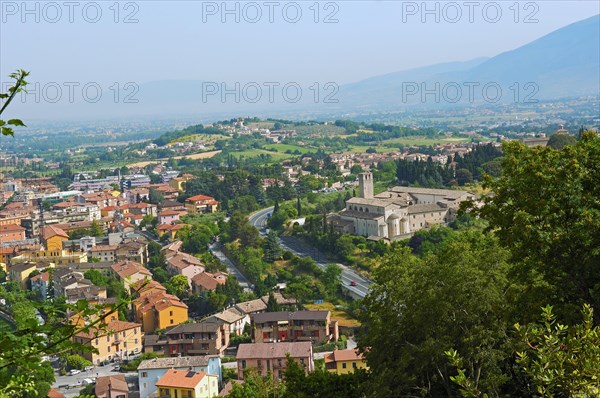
(564, 63)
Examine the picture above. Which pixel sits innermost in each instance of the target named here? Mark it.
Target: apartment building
(272, 357)
(312, 326)
(120, 340)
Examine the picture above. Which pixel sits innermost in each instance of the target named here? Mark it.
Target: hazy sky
(71, 42)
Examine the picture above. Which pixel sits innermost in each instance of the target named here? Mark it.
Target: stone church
(398, 212)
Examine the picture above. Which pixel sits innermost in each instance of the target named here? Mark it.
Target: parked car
(74, 372)
(352, 283)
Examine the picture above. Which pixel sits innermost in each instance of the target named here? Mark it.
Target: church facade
(398, 212)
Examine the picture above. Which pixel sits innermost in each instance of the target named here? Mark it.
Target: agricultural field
(208, 138)
(195, 156)
(318, 129)
(260, 125)
(252, 153)
(289, 147)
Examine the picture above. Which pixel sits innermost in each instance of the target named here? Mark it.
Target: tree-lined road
(301, 249)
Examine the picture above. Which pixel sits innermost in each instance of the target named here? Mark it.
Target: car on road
(352, 283)
(74, 372)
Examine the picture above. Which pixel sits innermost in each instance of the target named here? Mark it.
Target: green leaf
(16, 122)
(7, 131)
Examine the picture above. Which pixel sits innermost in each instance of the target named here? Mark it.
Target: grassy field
(341, 316)
(319, 129)
(421, 141)
(201, 155)
(261, 125)
(201, 137)
(252, 153)
(289, 147)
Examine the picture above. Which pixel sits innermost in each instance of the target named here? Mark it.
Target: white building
(151, 370)
(398, 212)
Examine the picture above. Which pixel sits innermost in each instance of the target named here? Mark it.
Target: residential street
(301, 249)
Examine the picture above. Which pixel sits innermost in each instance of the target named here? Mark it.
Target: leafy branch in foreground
(21, 352)
(20, 83)
(558, 360)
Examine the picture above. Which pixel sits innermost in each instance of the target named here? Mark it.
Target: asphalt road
(70, 386)
(231, 268)
(301, 249)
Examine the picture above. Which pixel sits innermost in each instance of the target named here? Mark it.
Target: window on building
(243, 364)
(344, 365)
(171, 321)
(171, 313)
(144, 374)
(108, 348)
(354, 365)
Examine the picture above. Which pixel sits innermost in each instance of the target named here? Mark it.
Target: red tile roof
(111, 327)
(127, 268)
(180, 379)
(207, 281)
(11, 228)
(44, 276)
(55, 394)
(51, 231)
(115, 383)
(343, 355)
(199, 197)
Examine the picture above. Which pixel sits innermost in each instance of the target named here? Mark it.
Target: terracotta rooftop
(169, 213)
(343, 355)
(199, 197)
(51, 231)
(11, 228)
(274, 350)
(44, 276)
(180, 379)
(115, 383)
(111, 327)
(207, 281)
(53, 393)
(128, 268)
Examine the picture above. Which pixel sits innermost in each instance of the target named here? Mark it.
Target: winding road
(301, 249)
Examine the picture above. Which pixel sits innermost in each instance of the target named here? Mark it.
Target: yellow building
(53, 237)
(56, 256)
(120, 340)
(155, 309)
(6, 253)
(20, 272)
(172, 230)
(344, 361)
(187, 384)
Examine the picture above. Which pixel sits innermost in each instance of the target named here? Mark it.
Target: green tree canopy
(418, 308)
(545, 209)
